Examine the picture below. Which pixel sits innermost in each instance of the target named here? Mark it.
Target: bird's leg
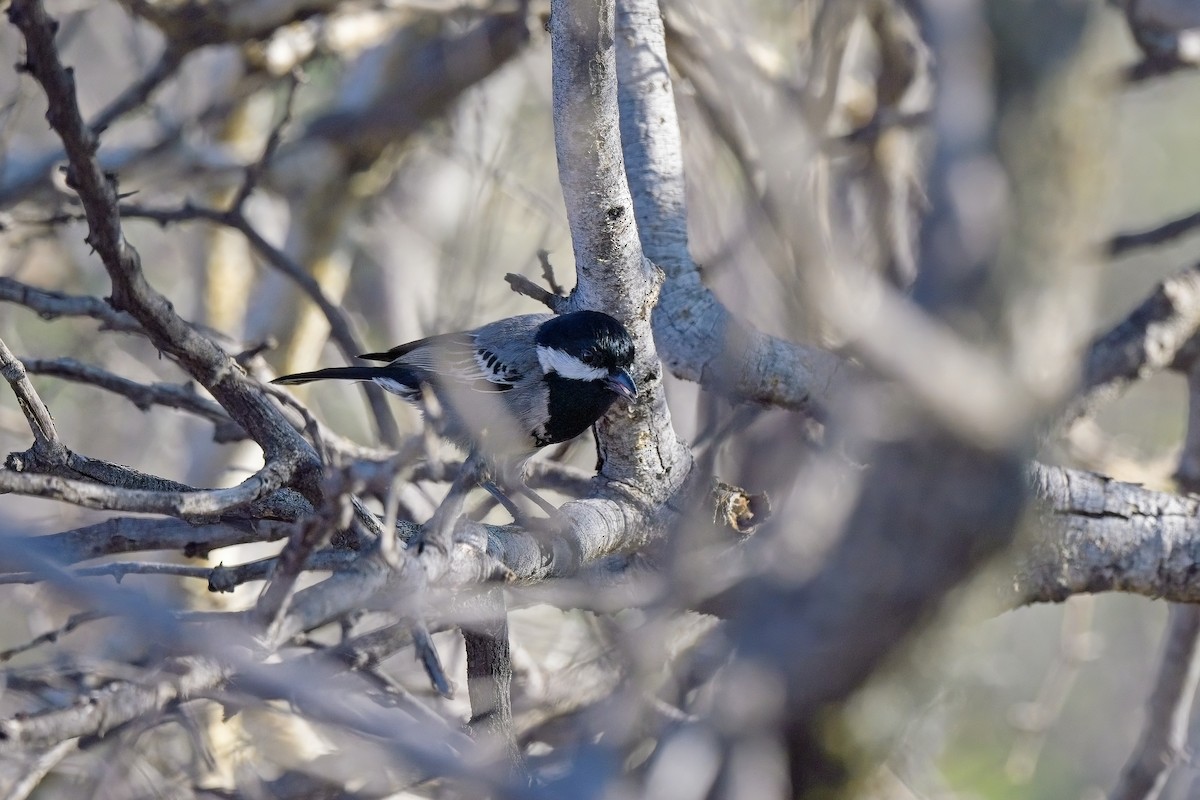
(541, 502)
(492, 488)
(511, 477)
(439, 529)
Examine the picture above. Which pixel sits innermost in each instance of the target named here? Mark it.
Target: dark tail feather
(340, 374)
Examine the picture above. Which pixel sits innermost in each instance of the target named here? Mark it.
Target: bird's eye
(588, 357)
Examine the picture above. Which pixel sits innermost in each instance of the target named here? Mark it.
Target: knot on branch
(738, 510)
(222, 579)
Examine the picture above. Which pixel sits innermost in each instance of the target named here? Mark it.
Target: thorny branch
(202, 357)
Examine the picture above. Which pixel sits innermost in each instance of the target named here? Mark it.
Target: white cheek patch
(568, 366)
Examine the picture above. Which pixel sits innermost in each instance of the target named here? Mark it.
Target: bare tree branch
(194, 504)
(340, 327)
(45, 437)
(1163, 742)
(612, 274)
(701, 340)
(144, 396)
(1156, 335)
(1104, 535)
(52, 305)
(75, 621)
(115, 705)
(138, 534)
(203, 359)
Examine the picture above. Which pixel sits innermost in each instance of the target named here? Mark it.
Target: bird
(507, 389)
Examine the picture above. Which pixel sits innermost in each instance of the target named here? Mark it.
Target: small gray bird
(510, 387)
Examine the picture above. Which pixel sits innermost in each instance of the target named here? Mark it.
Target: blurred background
(414, 168)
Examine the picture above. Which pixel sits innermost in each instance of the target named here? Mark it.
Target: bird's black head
(588, 346)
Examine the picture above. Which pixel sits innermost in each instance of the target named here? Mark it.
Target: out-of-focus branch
(27, 776)
(139, 92)
(1124, 242)
(197, 24)
(1168, 34)
(115, 705)
(700, 339)
(1164, 733)
(1151, 338)
(424, 86)
(1163, 743)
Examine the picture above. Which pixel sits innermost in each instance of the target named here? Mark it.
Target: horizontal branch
(1097, 534)
(144, 396)
(200, 503)
(140, 534)
(220, 578)
(50, 305)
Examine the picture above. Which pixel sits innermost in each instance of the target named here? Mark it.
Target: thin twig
(142, 395)
(340, 327)
(50, 305)
(522, 285)
(45, 437)
(255, 171)
(219, 578)
(1124, 242)
(427, 654)
(139, 92)
(548, 274)
(49, 637)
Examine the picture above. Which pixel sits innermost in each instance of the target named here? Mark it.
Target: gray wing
(512, 341)
(494, 357)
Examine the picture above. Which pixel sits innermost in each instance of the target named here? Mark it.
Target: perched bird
(508, 388)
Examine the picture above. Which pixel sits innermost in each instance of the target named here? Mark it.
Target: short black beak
(620, 383)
